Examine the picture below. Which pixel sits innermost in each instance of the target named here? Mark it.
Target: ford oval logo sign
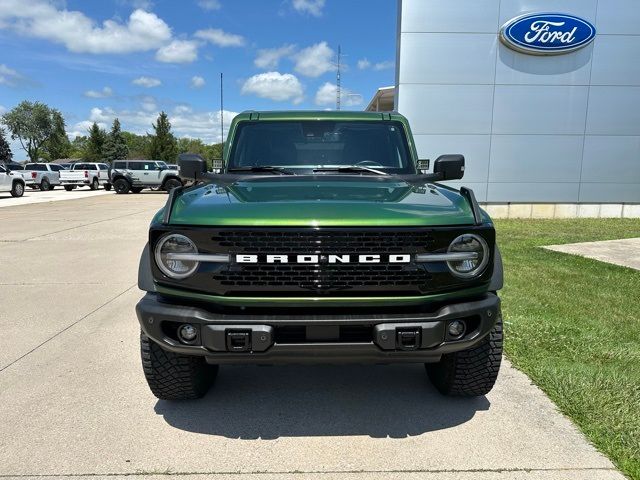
(547, 33)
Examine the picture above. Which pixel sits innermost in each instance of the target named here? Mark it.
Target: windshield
(311, 144)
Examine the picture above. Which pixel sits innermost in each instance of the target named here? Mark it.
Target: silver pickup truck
(18, 169)
(90, 175)
(45, 176)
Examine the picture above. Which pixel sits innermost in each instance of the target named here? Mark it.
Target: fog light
(456, 328)
(187, 333)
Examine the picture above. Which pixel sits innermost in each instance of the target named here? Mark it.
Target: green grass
(573, 325)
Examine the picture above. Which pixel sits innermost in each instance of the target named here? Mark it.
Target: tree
(57, 145)
(115, 147)
(6, 155)
(32, 124)
(138, 145)
(95, 144)
(163, 145)
(78, 147)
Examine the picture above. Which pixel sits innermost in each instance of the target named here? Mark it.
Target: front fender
(497, 280)
(145, 277)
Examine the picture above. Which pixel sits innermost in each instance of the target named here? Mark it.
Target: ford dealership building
(542, 98)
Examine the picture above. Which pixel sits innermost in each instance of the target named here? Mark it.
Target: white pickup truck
(11, 182)
(44, 175)
(90, 175)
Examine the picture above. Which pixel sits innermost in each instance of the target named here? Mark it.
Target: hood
(321, 201)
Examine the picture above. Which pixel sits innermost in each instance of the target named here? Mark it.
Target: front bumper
(224, 338)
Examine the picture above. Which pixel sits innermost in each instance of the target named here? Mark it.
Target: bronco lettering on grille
(314, 258)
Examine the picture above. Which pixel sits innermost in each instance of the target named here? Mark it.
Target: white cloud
(269, 58)
(274, 86)
(363, 64)
(220, 37)
(147, 82)
(311, 7)
(104, 93)
(8, 76)
(178, 51)
(384, 65)
(148, 103)
(184, 122)
(315, 60)
(327, 94)
(197, 82)
(209, 4)
(78, 33)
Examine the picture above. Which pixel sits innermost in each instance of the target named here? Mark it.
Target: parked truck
(92, 175)
(11, 182)
(45, 176)
(324, 239)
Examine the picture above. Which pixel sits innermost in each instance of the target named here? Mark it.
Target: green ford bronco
(323, 240)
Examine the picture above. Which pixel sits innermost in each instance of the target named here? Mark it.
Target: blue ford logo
(547, 33)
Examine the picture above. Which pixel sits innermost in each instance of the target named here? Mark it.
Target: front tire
(121, 186)
(172, 376)
(107, 186)
(171, 184)
(17, 190)
(136, 189)
(472, 372)
(69, 188)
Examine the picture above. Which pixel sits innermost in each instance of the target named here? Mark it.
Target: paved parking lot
(74, 401)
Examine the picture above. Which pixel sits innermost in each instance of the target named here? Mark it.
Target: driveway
(75, 403)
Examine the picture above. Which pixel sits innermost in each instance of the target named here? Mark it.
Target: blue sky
(96, 60)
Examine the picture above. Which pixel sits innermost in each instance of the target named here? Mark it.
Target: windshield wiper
(350, 168)
(262, 168)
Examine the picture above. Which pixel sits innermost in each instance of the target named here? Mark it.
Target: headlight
(471, 267)
(172, 252)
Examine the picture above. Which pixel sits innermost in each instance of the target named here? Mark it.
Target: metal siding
(551, 129)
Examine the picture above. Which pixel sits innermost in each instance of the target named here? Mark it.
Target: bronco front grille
(322, 241)
(323, 278)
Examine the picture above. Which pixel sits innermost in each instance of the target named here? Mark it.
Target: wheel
(172, 376)
(107, 186)
(136, 189)
(52, 187)
(472, 372)
(17, 190)
(94, 184)
(68, 188)
(171, 184)
(34, 187)
(45, 185)
(121, 186)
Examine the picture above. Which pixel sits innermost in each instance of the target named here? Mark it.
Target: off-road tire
(107, 186)
(171, 184)
(45, 185)
(94, 184)
(472, 372)
(17, 189)
(121, 186)
(69, 188)
(172, 376)
(136, 189)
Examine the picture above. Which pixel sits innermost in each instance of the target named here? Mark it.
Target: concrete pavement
(75, 403)
(625, 253)
(58, 194)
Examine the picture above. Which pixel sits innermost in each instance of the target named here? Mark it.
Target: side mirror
(449, 167)
(423, 165)
(191, 166)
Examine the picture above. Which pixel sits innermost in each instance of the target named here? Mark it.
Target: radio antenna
(338, 86)
(222, 117)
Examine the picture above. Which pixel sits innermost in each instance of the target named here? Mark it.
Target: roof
(383, 100)
(315, 115)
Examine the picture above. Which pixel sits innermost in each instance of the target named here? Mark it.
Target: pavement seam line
(312, 472)
(85, 225)
(65, 329)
